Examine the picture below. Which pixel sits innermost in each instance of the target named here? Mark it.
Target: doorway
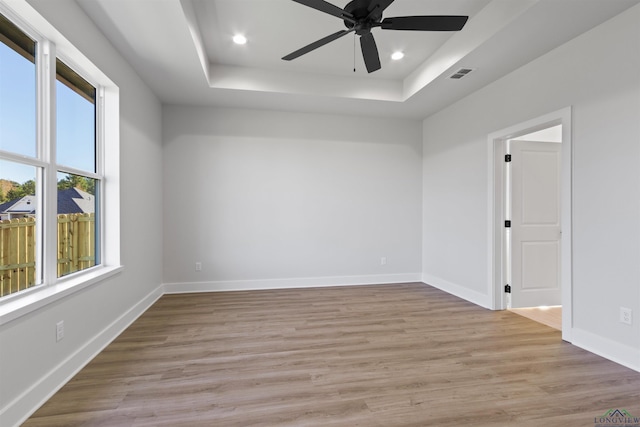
(530, 192)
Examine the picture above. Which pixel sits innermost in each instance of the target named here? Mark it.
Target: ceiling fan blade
(318, 43)
(327, 7)
(370, 52)
(425, 23)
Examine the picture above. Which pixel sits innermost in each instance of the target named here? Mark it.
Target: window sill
(42, 296)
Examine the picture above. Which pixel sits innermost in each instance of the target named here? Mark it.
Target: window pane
(75, 120)
(17, 90)
(18, 203)
(77, 224)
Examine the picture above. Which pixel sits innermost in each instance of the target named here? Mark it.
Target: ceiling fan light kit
(361, 16)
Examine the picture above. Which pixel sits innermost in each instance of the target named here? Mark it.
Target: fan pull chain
(354, 52)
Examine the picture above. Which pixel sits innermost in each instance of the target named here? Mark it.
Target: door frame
(496, 210)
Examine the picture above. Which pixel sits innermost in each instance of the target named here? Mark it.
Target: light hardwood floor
(550, 316)
(389, 355)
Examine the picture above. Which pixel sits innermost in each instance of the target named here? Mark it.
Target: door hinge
(507, 289)
(507, 224)
(507, 158)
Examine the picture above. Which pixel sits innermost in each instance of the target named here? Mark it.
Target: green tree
(29, 188)
(5, 190)
(79, 182)
(69, 181)
(26, 189)
(89, 185)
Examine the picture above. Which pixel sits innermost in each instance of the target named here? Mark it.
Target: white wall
(261, 198)
(32, 364)
(598, 74)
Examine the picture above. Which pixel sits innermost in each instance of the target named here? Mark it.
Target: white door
(535, 223)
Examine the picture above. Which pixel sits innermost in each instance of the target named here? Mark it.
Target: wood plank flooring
(389, 355)
(550, 316)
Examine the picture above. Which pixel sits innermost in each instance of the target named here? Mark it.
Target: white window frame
(51, 45)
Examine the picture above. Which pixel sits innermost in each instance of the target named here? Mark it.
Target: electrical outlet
(59, 330)
(198, 266)
(383, 260)
(626, 315)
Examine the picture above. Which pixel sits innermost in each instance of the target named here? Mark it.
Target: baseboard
(290, 283)
(620, 353)
(460, 291)
(23, 406)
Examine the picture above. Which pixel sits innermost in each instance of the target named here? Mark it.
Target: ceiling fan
(361, 16)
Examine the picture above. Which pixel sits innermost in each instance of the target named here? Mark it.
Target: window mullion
(100, 111)
(100, 170)
(47, 151)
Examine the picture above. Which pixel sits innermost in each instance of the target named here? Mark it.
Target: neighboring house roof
(73, 200)
(70, 201)
(23, 205)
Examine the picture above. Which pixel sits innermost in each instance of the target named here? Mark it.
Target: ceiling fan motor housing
(365, 19)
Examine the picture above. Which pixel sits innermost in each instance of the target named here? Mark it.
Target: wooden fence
(17, 254)
(76, 249)
(76, 242)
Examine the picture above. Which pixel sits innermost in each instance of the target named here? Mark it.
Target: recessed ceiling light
(397, 55)
(239, 39)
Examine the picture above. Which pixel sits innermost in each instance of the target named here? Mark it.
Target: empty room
(319, 213)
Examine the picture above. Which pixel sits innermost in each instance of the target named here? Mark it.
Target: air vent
(460, 73)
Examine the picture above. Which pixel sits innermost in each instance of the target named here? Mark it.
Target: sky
(75, 121)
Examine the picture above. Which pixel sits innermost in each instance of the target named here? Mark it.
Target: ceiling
(273, 30)
(183, 49)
